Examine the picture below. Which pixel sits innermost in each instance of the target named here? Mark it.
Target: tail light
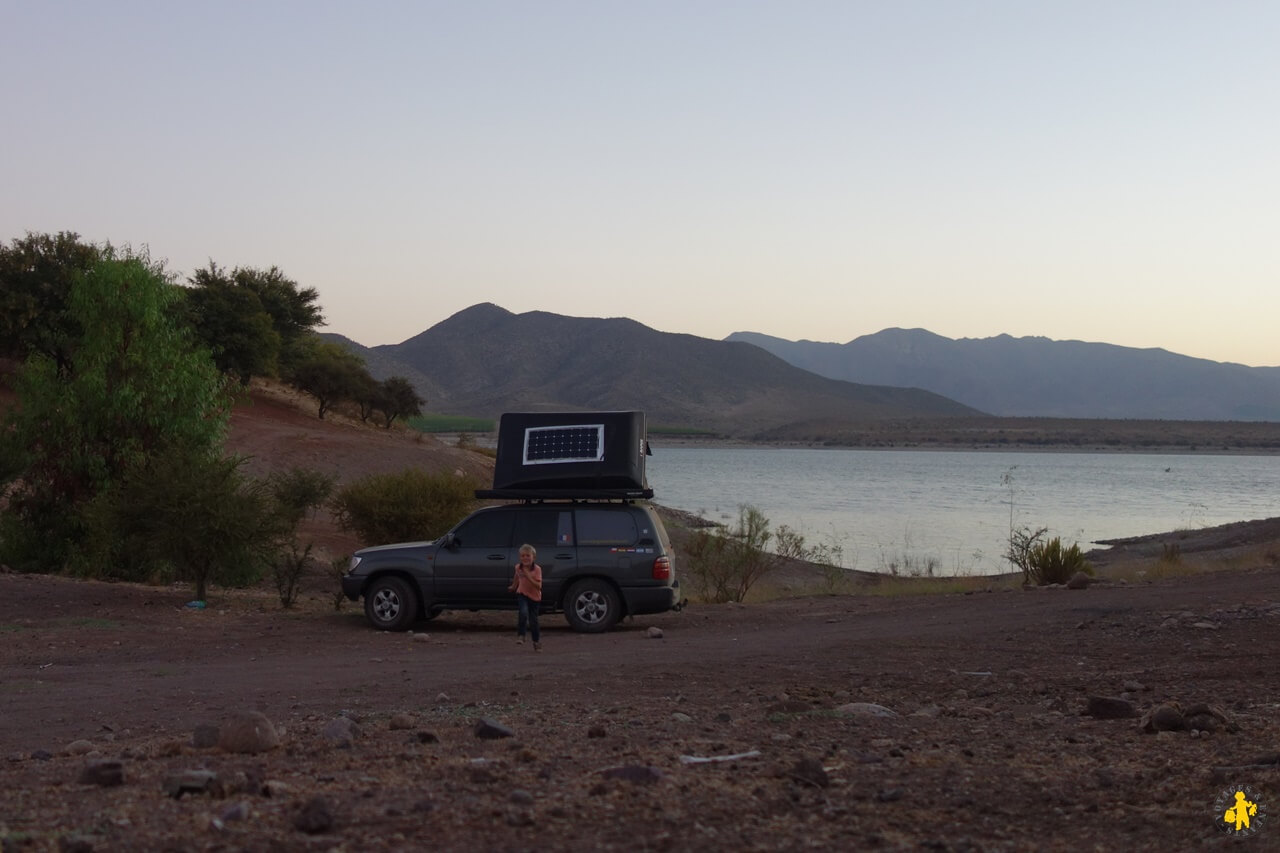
(662, 569)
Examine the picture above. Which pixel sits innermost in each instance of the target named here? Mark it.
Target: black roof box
(570, 455)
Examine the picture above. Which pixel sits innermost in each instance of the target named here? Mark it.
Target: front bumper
(353, 586)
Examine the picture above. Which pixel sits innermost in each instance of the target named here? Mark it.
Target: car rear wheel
(389, 604)
(592, 606)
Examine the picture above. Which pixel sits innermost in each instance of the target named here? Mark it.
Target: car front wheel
(389, 604)
(592, 606)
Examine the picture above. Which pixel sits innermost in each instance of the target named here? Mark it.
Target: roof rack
(564, 494)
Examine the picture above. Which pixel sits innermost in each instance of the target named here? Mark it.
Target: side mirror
(449, 541)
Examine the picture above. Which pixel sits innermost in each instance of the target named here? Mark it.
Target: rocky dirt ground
(1117, 717)
(957, 722)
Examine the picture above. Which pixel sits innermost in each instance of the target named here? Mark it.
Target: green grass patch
(450, 423)
(9, 628)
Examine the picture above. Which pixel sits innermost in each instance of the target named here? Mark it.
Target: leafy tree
(330, 373)
(232, 322)
(193, 517)
(371, 397)
(134, 386)
(399, 399)
(36, 274)
(294, 312)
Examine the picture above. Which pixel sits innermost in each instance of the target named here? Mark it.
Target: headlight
(351, 566)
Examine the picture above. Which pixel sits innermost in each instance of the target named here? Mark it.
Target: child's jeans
(528, 616)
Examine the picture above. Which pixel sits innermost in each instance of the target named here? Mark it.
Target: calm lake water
(950, 510)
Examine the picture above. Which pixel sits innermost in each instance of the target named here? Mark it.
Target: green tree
(36, 274)
(184, 516)
(231, 321)
(399, 399)
(371, 396)
(134, 386)
(330, 373)
(293, 309)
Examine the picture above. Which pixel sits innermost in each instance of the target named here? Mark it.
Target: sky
(1079, 170)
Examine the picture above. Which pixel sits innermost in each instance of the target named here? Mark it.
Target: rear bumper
(653, 599)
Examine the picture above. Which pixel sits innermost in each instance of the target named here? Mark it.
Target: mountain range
(486, 360)
(1039, 377)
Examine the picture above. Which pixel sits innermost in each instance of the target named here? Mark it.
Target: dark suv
(601, 560)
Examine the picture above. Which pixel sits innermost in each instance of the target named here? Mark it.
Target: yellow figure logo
(1239, 814)
(1240, 810)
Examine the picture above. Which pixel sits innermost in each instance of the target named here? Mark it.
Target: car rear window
(605, 527)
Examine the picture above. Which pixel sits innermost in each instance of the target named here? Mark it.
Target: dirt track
(988, 749)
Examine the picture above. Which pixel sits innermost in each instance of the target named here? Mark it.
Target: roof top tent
(570, 455)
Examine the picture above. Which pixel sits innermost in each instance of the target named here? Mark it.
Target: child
(527, 585)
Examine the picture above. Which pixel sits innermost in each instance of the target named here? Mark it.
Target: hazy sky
(1102, 171)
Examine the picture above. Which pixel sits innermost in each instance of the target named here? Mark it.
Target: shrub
(1052, 563)
(296, 493)
(1045, 561)
(338, 568)
(405, 506)
(300, 491)
(724, 564)
(287, 568)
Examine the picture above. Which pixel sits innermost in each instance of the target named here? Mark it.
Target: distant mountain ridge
(1039, 377)
(486, 360)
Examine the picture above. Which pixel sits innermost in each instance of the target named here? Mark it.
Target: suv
(601, 560)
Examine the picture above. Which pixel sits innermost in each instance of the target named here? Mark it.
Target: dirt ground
(998, 720)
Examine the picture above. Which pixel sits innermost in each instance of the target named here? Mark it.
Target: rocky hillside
(486, 360)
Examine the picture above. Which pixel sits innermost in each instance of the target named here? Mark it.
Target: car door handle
(497, 557)
(564, 556)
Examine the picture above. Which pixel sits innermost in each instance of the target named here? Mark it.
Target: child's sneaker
(519, 641)
(537, 647)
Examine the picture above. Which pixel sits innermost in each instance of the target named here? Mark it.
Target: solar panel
(571, 443)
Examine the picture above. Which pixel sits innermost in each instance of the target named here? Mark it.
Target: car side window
(543, 529)
(605, 527)
(564, 529)
(486, 530)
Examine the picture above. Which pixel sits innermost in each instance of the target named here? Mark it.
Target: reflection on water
(950, 512)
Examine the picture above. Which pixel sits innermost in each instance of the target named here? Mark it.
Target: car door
(549, 529)
(475, 569)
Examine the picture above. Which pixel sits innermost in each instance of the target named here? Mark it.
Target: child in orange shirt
(527, 585)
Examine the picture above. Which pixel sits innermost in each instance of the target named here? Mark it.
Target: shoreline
(1153, 450)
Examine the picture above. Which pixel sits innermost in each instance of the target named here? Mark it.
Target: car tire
(390, 605)
(592, 606)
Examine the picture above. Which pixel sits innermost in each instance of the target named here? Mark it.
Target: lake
(949, 512)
